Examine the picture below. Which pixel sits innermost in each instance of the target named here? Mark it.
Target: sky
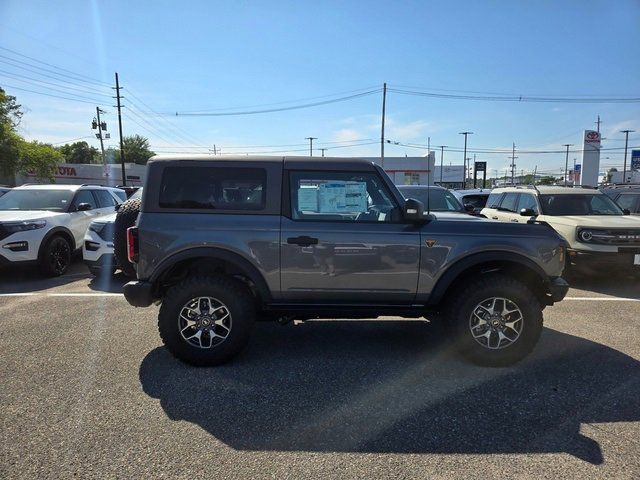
(237, 56)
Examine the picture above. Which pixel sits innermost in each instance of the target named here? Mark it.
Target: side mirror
(117, 207)
(626, 211)
(528, 212)
(413, 210)
(83, 207)
(469, 208)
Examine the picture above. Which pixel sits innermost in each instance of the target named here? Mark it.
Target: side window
(213, 188)
(494, 200)
(83, 196)
(340, 196)
(105, 199)
(509, 202)
(527, 201)
(629, 201)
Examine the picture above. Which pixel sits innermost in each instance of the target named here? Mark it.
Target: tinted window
(104, 199)
(121, 194)
(579, 204)
(437, 200)
(509, 202)
(36, 199)
(494, 200)
(478, 201)
(340, 196)
(84, 196)
(527, 201)
(630, 201)
(213, 188)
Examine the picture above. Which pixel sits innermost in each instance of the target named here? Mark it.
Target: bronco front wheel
(206, 321)
(497, 322)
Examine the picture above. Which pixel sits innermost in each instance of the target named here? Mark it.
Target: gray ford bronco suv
(221, 242)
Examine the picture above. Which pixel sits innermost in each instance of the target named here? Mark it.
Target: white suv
(602, 237)
(45, 224)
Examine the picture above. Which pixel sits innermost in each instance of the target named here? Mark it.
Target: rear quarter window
(213, 188)
(494, 200)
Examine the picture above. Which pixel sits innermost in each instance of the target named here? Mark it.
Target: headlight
(103, 229)
(585, 235)
(96, 226)
(14, 227)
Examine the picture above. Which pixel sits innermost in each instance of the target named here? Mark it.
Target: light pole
(442, 147)
(566, 162)
(626, 144)
(311, 139)
(464, 158)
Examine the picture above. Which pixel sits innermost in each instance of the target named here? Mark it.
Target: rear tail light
(132, 244)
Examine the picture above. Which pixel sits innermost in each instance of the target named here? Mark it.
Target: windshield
(439, 200)
(136, 194)
(52, 200)
(579, 204)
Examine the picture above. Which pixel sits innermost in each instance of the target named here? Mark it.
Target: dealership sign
(635, 159)
(591, 136)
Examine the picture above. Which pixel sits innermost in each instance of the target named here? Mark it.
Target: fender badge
(430, 243)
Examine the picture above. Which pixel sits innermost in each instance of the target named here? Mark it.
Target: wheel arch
(207, 260)
(512, 264)
(57, 231)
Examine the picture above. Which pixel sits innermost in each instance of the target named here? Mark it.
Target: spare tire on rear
(125, 218)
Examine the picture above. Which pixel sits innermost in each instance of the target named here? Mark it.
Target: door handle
(303, 241)
(494, 218)
(514, 220)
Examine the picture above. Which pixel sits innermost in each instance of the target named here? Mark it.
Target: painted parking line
(604, 299)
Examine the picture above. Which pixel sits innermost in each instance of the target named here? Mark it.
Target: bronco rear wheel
(206, 321)
(497, 322)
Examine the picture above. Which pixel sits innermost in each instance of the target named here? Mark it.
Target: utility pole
(117, 89)
(598, 123)
(464, 158)
(311, 139)
(442, 147)
(626, 145)
(99, 135)
(513, 162)
(384, 105)
(566, 163)
(322, 150)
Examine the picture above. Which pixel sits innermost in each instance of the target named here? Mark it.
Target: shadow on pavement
(615, 285)
(109, 283)
(25, 279)
(382, 387)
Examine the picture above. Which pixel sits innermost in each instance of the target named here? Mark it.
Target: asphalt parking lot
(89, 392)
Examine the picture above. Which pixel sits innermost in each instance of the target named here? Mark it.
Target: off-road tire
(59, 246)
(229, 291)
(475, 291)
(125, 218)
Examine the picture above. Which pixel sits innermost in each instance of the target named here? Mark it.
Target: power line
(66, 92)
(518, 98)
(54, 66)
(282, 109)
(31, 80)
(93, 102)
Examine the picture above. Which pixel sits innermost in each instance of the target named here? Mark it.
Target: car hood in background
(601, 221)
(23, 215)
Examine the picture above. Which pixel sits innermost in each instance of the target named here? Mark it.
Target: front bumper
(558, 288)
(604, 262)
(139, 293)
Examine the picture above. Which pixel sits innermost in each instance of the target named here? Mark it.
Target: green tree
(136, 150)
(547, 180)
(79, 152)
(16, 154)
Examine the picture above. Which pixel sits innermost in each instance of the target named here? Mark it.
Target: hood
(22, 215)
(106, 219)
(596, 221)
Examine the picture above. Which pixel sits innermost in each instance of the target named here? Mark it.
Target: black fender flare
(473, 260)
(243, 265)
(59, 230)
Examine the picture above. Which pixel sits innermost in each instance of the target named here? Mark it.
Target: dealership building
(402, 170)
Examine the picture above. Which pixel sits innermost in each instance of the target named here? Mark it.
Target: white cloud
(403, 132)
(348, 135)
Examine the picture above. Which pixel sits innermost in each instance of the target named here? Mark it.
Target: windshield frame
(611, 203)
(68, 195)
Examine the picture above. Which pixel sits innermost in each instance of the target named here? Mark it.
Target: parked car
(626, 196)
(45, 224)
(129, 190)
(602, 238)
(221, 243)
(434, 198)
(473, 200)
(98, 246)
(4, 190)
